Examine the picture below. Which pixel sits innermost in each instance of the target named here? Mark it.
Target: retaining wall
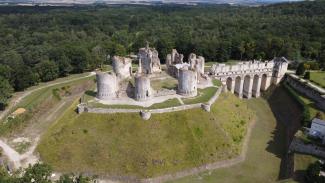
(307, 88)
(84, 108)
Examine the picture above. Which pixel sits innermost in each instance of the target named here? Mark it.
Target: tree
(5, 92)
(80, 58)
(301, 69)
(39, 173)
(73, 179)
(64, 65)
(23, 77)
(47, 70)
(307, 75)
(313, 171)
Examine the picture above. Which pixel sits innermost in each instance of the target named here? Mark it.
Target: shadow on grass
(288, 116)
(91, 93)
(300, 176)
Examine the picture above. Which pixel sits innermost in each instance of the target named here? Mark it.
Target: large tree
(5, 92)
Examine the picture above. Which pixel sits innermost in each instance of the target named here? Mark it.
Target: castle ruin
(149, 61)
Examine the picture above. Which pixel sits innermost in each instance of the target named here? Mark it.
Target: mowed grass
(204, 95)
(302, 162)
(262, 163)
(318, 78)
(166, 104)
(124, 144)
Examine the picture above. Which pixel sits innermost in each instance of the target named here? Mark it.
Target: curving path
(21, 160)
(24, 94)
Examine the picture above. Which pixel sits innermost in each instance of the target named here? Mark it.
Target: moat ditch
(287, 112)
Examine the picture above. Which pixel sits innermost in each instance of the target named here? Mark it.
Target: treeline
(39, 173)
(43, 43)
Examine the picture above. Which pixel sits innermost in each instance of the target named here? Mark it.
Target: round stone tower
(187, 83)
(122, 66)
(107, 85)
(142, 88)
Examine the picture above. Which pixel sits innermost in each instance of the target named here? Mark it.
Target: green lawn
(301, 164)
(318, 78)
(168, 83)
(204, 95)
(262, 163)
(168, 103)
(124, 144)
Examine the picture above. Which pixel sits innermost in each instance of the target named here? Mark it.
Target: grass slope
(263, 161)
(318, 78)
(124, 144)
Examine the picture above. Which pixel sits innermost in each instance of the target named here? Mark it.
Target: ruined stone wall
(107, 85)
(149, 61)
(187, 83)
(307, 88)
(122, 66)
(84, 108)
(279, 70)
(196, 63)
(241, 68)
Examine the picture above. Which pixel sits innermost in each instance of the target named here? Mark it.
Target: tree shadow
(288, 116)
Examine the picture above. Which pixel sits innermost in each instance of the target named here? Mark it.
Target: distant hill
(49, 2)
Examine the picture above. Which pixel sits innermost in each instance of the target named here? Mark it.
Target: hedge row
(305, 120)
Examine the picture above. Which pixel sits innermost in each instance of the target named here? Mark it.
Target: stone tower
(143, 89)
(187, 83)
(107, 85)
(279, 70)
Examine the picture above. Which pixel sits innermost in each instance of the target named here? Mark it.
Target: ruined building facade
(247, 79)
(149, 61)
(122, 66)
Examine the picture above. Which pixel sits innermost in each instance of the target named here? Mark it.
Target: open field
(318, 78)
(124, 144)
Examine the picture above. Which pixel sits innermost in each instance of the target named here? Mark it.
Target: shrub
(307, 75)
(301, 69)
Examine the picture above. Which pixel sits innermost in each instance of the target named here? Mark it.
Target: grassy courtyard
(318, 78)
(124, 144)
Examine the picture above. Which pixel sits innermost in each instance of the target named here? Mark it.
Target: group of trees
(44, 43)
(39, 173)
(313, 173)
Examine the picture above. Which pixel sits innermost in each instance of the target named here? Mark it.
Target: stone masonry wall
(305, 87)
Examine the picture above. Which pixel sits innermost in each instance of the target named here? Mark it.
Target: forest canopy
(43, 43)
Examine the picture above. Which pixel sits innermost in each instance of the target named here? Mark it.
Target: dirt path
(19, 97)
(34, 131)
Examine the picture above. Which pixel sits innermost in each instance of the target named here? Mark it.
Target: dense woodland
(43, 43)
